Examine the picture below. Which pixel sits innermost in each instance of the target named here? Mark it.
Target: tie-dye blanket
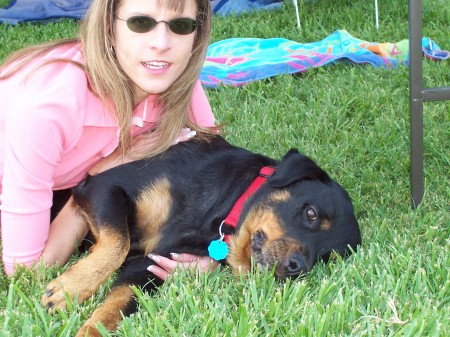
(239, 61)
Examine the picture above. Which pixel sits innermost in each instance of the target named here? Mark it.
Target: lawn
(354, 121)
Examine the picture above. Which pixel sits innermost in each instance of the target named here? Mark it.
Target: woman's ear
(295, 166)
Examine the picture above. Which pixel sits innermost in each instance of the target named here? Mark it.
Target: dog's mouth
(285, 256)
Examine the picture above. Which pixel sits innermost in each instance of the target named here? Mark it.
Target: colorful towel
(239, 61)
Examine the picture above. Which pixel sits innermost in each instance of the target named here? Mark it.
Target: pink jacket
(52, 131)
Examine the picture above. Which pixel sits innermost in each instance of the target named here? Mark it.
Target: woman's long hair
(108, 80)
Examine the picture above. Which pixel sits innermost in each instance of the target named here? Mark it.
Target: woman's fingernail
(154, 258)
(174, 255)
(151, 269)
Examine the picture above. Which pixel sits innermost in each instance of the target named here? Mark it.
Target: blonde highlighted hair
(115, 88)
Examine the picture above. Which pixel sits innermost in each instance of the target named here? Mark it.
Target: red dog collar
(236, 211)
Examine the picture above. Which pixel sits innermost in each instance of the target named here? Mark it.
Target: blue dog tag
(218, 250)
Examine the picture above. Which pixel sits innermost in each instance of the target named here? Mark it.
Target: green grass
(354, 120)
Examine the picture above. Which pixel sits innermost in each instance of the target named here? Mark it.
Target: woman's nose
(160, 36)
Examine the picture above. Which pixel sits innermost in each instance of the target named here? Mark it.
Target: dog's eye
(311, 214)
(259, 238)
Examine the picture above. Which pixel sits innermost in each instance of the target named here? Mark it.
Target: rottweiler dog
(283, 215)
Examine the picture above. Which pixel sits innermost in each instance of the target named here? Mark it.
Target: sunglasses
(144, 24)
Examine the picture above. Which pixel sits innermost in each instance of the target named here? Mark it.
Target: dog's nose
(295, 265)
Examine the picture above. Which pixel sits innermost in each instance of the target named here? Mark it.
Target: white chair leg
(376, 14)
(296, 13)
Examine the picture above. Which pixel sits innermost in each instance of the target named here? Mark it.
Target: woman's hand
(164, 266)
(185, 135)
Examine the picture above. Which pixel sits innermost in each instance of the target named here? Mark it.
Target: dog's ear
(295, 166)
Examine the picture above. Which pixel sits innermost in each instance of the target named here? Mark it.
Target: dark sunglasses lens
(182, 26)
(141, 24)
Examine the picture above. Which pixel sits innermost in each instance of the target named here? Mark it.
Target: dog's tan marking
(84, 214)
(153, 209)
(240, 245)
(280, 196)
(325, 225)
(86, 276)
(109, 313)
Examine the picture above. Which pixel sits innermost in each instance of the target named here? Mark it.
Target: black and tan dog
(177, 201)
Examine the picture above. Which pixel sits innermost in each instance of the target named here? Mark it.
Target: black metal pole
(416, 100)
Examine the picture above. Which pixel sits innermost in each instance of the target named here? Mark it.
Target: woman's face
(153, 60)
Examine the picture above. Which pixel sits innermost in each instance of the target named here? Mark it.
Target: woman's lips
(156, 65)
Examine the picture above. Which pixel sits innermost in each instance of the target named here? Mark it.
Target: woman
(126, 89)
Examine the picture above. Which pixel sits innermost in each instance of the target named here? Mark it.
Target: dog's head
(299, 217)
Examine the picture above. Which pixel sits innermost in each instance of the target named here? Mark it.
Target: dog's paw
(55, 294)
(61, 288)
(89, 331)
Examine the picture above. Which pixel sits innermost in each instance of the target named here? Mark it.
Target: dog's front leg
(119, 300)
(85, 277)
